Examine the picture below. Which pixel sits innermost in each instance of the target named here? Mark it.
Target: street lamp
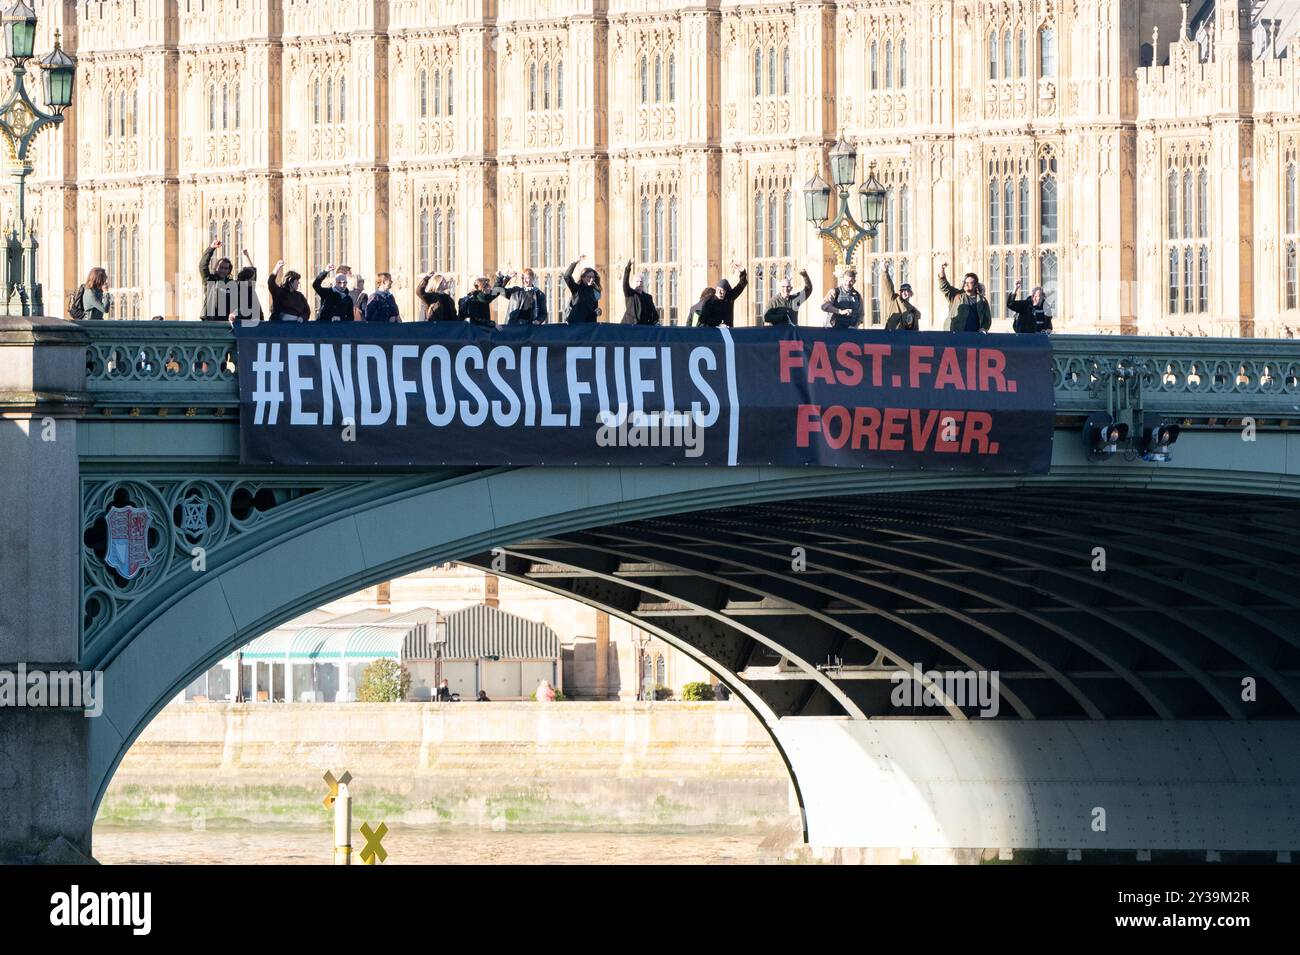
(846, 231)
(21, 120)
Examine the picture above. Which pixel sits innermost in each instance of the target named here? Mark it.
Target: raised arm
(205, 260)
(743, 283)
(627, 273)
(568, 274)
(318, 284)
(803, 296)
(887, 285)
(421, 289)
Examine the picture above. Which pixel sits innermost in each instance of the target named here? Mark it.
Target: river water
(415, 846)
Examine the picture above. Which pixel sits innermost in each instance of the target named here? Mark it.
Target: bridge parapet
(155, 368)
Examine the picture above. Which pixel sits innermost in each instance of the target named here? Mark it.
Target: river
(416, 846)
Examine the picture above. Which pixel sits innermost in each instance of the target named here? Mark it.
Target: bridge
(1140, 616)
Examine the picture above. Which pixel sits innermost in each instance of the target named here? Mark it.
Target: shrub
(663, 692)
(384, 681)
(697, 692)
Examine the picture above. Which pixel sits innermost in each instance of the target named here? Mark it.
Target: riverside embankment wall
(504, 765)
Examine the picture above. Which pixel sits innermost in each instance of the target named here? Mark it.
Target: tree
(697, 691)
(384, 681)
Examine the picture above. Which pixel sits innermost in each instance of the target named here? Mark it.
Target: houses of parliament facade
(1138, 158)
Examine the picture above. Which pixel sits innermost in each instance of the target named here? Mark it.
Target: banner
(428, 393)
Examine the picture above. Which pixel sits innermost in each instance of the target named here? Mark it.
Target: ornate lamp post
(846, 231)
(20, 122)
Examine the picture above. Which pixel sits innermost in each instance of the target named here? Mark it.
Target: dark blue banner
(453, 394)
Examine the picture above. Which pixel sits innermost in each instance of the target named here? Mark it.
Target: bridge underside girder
(1088, 604)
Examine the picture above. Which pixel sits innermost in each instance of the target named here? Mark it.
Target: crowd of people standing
(342, 297)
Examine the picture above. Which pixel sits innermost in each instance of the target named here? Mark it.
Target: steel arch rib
(1137, 683)
(1220, 697)
(814, 674)
(1244, 654)
(1064, 682)
(934, 639)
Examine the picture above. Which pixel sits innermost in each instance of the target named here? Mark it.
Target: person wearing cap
(720, 309)
(783, 309)
(903, 315)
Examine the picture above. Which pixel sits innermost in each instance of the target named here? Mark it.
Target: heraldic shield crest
(128, 540)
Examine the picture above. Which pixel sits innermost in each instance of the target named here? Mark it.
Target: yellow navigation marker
(333, 784)
(372, 848)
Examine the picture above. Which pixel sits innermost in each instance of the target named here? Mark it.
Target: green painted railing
(153, 367)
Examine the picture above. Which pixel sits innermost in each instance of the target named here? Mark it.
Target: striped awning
(402, 637)
(483, 631)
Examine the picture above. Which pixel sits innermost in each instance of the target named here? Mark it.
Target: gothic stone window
(1187, 230)
(1291, 230)
(888, 251)
(771, 253)
(548, 244)
(657, 244)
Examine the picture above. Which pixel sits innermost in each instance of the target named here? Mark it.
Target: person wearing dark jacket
(844, 303)
(584, 306)
(721, 308)
(903, 315)
(248, 308)
(697, 310)
(526, 302)
(477, 305)
(1031, 313)
(220, 291)
(335, 300)
(968, 307)
(640, 308)
(439, 306)
(287, 303)
(382, 306)
(784, 308)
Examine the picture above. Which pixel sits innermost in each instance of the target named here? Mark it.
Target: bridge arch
(395, 525)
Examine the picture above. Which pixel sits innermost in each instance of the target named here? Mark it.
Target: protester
(220, 291)
(545, 692)
(783, 309)
(721, 308)
(360, 299)
(444, 692)
(482, 694)
(439, 306)
(640, 308)
(903, 315)
(92, 301)
(697, 310)
(248, 308)
(844, 302)
(526, 302)
(584, 306)
(335, 301)
(1031, 313)
(288, 304)
(382, 306)
(477, 305)
(968, 308)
